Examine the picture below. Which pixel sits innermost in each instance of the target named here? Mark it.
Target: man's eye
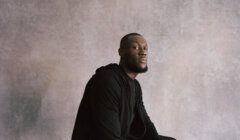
(135, 47)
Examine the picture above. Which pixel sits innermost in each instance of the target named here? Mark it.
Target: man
(112, 106)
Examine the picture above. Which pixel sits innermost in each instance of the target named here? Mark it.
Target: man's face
(135, 54)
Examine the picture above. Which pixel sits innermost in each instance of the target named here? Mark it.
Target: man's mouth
(143, 60)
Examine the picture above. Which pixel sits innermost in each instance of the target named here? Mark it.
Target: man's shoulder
(108, 74)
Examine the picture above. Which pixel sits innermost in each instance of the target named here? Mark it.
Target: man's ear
(121, 52)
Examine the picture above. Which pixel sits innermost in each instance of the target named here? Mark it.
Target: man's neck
(130, 74)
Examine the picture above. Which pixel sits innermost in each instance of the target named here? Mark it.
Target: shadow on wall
(27, 84)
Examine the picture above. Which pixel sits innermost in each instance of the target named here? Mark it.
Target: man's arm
(151, 132)
(104, 102)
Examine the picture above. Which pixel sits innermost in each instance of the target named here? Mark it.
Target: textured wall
(50, 48)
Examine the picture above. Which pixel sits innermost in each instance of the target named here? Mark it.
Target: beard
(134, 68)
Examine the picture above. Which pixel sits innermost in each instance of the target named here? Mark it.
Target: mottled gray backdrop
(50, 48)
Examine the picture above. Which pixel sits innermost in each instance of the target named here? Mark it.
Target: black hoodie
(109, 112)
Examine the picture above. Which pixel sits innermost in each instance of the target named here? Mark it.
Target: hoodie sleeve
(151, 132)
(105, 96)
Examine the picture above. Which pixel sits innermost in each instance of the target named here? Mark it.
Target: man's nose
(143, 52)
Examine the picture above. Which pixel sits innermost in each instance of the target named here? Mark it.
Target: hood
(112, 66)
(117, 69)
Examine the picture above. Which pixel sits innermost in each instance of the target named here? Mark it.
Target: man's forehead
(137, 39)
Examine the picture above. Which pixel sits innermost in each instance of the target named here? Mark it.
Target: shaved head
(124, 43)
